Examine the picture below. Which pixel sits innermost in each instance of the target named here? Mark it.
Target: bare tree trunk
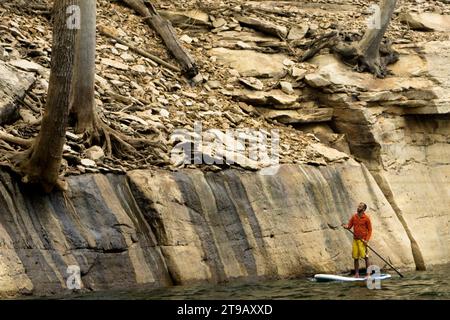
(369, 45)
(164, 28)
(366, 53)
(83, 90)
(43, 159)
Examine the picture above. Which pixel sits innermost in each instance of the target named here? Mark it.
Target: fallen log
(165, 30)
(264, 26)
(105, 32)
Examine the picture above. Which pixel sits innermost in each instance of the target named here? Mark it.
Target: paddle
(390, 265)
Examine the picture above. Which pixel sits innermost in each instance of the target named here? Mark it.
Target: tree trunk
(83, 90)
(369, 46)
(43, 160)
(167, 33)
(366, 53)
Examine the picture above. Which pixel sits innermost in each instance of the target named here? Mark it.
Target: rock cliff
(399, 127)
(156, 228)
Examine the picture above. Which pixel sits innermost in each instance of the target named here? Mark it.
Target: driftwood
(143, 53)
(264, 26)
(327, 40)
(164, 28)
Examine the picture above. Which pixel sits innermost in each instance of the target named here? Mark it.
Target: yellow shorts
(359, 250)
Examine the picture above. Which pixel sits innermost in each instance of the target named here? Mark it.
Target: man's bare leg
(357, 268)
(367, 263)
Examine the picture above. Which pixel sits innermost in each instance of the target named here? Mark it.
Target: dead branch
(141, 52)
(327, 40)
(264, 26)
(165, 30)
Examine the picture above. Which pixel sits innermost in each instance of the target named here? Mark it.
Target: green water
(431, 284)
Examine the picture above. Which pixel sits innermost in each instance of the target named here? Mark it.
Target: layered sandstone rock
(250, 63)
(163, 228)
(399, 127)
(229, 224)
(96, 226)
(427, 21)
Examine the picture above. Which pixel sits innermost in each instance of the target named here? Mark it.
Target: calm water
(431, 284)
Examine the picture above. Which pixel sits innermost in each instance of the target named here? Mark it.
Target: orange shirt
(362, 227)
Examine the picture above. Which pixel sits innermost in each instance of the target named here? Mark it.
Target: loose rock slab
(307, 115)
(250, 63)
(427, 21)
(13, 85)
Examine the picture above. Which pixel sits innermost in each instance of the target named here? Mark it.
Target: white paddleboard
(333, 277)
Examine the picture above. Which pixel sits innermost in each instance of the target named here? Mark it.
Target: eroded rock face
(98, 227)
(398, 127)
(162, 228)
(417, 168)
(190, 226)
(228, 225)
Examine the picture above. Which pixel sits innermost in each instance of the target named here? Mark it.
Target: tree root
(324, 41)
(17, 163)
(351, 53)
(375, 64)
(118, 145)
(15, 140)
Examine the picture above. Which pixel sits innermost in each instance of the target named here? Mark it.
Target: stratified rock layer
(158, 228)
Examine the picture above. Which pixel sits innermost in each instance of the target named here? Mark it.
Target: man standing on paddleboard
(362, 229)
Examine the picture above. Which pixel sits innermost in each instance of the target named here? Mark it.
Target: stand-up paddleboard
(333, 277)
